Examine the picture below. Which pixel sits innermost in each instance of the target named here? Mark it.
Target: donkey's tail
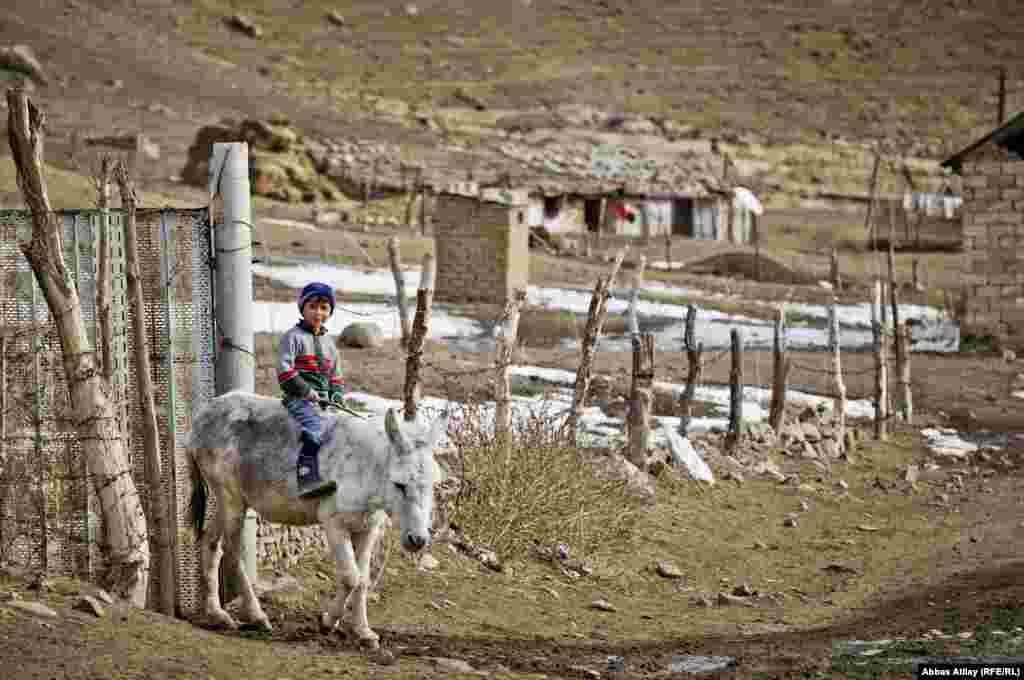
(200, 496)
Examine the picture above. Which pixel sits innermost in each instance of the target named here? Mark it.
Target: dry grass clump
(536, 489)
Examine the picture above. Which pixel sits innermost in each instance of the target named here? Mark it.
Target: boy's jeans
(308, 415)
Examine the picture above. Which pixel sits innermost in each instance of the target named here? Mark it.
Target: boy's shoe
(310, 484)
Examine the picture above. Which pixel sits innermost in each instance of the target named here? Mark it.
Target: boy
(309, 373)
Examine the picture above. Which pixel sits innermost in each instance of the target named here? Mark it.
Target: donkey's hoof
(367, 639)
(220, 619)
(371, 644)
(327, 623)
(259, 626)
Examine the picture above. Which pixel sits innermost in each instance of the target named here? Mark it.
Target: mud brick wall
(993, 214)
(482, 249)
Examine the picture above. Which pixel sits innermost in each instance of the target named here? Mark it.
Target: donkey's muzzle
(415, 542)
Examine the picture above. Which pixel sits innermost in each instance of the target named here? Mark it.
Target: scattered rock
(428, 562)
(744, 590)
(804, 505)
(603, 605)
(362, 334)
(453, 665)
(867, 527)
(384, 657)
(31, 607)
(830, 449)
(727, 600)
(90, 605)
(911, 474)
(668, 570)
(810, 431)
(411, 10)
(842, 485)
(22, 60)
(335, 17)
(244, 24)
(789, 522)
(702, 601)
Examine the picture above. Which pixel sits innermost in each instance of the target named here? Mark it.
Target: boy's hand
(312, 396)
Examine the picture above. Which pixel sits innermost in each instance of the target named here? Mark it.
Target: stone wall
(278, 545)
(993, 242)
(481, 249)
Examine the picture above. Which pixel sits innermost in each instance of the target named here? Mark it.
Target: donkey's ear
(394, 434)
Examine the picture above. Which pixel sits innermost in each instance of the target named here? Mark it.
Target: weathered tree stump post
(420, 326)
(159, 505)
(693, 357)
(780, 371)
(880, 365)
(839, 398)
(834, 275)
(595, 322)
(641, 398)
(506, 344)
(903, 367)
(896, 327)
(732, 439)
(403, 308)
(916, 275)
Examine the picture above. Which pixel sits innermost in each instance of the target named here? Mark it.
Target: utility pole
(235, 365)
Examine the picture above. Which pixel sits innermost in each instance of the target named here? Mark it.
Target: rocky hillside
(793, 96)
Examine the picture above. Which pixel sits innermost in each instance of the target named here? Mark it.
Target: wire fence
(50, 519)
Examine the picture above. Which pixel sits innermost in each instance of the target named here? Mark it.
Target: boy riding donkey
(309, 374)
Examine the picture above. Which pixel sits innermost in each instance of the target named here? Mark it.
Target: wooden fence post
(420, 326)
(916, 275)
(403, 308)
(693, 352)
(506, 344)
(834, 273)
(732, 439)
(903, 366)
(839, 398)
(881, 398)
(595, 321)
(641, 398)
(780, 371)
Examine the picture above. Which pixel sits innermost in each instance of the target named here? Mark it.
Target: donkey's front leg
(346, 572)
(364, 543)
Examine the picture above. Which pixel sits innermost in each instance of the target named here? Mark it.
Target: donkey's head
(412, 473)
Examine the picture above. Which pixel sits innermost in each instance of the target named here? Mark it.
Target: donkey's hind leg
(251, 612)
(210, 553)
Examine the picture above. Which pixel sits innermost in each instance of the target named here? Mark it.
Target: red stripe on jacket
(290, 373)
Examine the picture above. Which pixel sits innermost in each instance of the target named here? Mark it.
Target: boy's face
(316, 311)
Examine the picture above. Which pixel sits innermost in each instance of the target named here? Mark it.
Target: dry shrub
(537, 490)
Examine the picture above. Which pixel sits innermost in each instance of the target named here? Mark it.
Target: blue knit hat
(314, 290)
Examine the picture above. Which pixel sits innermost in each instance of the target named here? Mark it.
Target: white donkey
(245, 446)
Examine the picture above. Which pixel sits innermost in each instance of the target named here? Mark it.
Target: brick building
(993, 219)
(481, 244)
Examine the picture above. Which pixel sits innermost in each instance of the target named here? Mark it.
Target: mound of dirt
(742, 265)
